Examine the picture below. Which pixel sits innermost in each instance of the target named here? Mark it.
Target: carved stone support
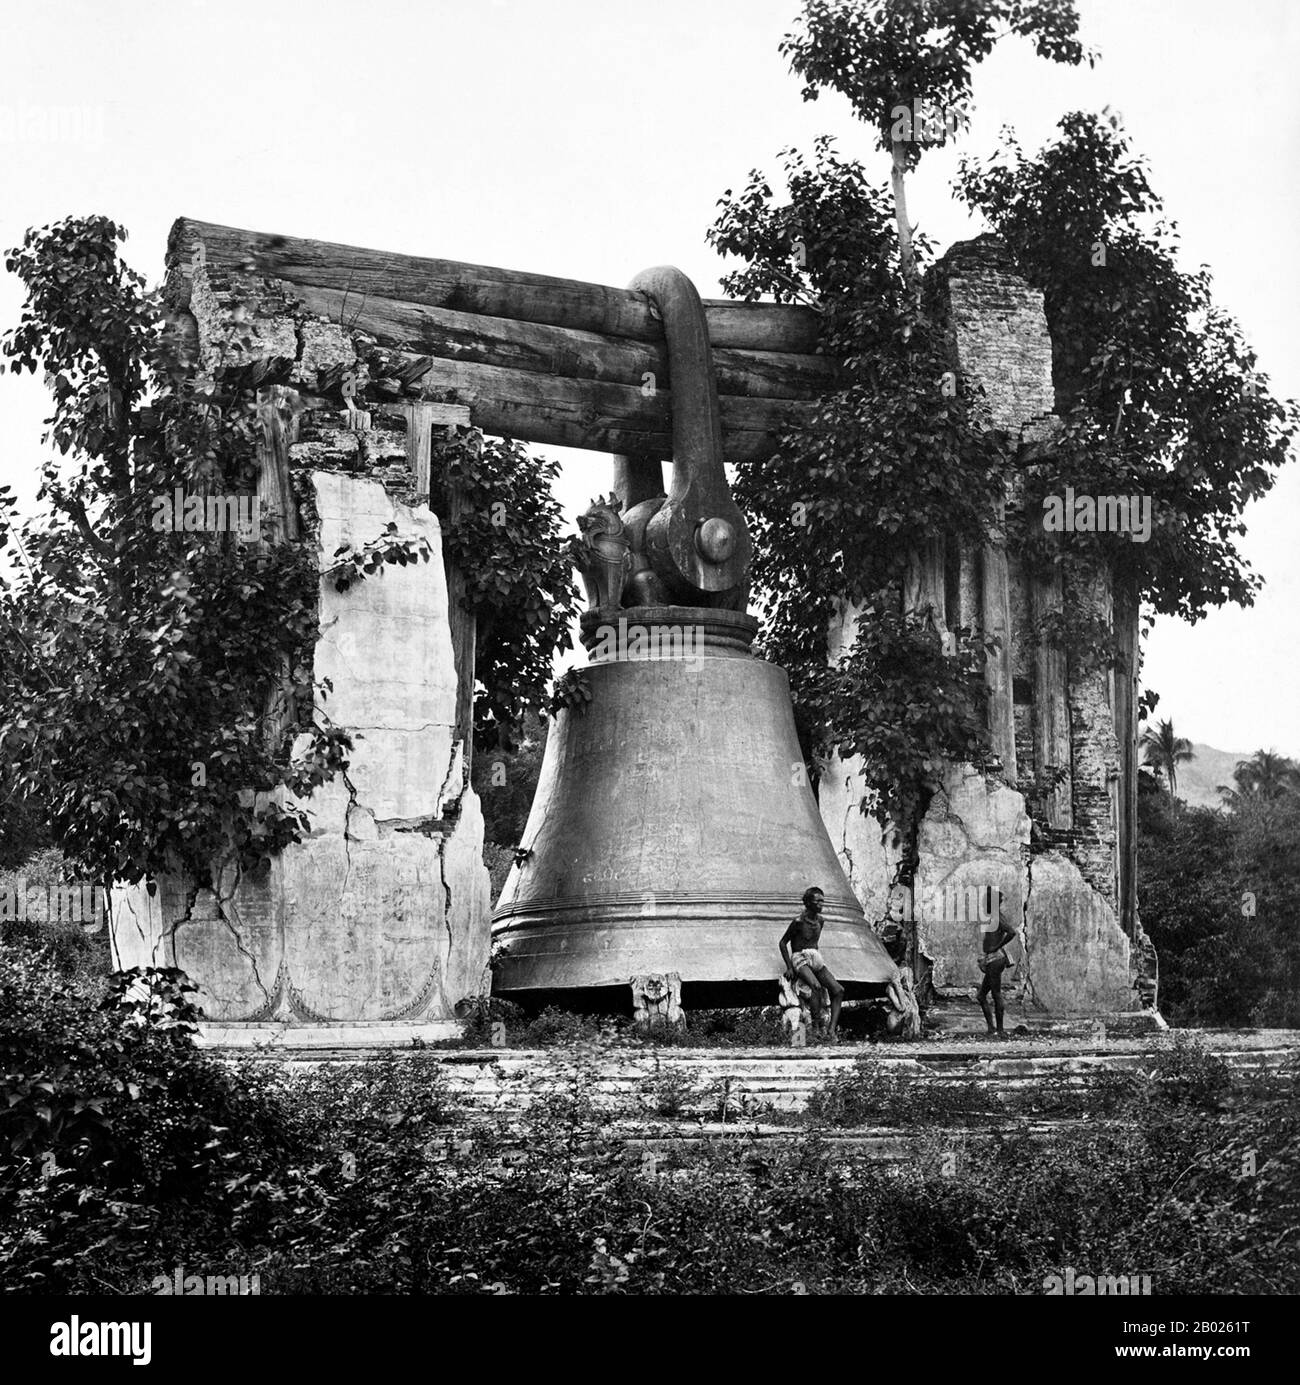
(656, 1000)
(796, 1013)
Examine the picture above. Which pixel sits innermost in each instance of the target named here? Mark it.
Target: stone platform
(757, 1080)
(962, 1016)
(296, 1040)
(753, 1099)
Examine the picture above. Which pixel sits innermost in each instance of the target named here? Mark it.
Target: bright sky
(592, 138)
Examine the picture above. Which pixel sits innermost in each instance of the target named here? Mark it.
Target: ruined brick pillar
(1068, 886)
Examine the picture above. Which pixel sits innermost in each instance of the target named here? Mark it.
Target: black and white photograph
(648, 651)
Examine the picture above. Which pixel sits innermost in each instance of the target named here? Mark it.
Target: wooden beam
(576, 413)
(421, 418)
(546, 350)
(274, 488)
(469, 288)
(923, 582)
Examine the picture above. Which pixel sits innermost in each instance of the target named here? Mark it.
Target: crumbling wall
(869, 854)
(974, 837)
(1059, 878)
(381, 915)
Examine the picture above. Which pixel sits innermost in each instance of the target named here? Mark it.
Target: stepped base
(488, 1082)
(294, 1039)
(962, 1015)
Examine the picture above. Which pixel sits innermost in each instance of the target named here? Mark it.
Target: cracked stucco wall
(869, 854)
(382, 912)
(1073, 958)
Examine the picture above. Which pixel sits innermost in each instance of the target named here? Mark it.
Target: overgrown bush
(871, 1093)
(369, 1177)
(78, 955)
(113, 1127)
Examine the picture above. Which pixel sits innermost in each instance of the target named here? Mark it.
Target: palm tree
(1165, 751)
(1265, 776)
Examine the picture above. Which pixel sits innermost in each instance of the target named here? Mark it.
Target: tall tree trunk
(906, 254)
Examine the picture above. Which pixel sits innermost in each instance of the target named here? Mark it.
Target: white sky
(592, 138)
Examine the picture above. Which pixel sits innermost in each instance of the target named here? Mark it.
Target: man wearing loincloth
(803, 935)
(993, 961)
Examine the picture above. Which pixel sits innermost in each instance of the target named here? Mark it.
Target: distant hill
(1199, 779)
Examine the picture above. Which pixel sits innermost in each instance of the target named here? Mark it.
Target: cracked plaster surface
(382, 911)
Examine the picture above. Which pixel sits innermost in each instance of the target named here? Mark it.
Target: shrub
(113, 1127)
(368, 1177)
(77, 955)
(669, 1091)
(555, 1027)
(871, 1094)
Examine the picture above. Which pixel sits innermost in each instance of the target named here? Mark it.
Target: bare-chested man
(803, 935)
(993, 961)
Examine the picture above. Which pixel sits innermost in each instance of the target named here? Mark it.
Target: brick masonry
(1058, 872)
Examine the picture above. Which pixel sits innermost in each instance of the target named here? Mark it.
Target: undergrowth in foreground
(125, 1151)
(759, 1027)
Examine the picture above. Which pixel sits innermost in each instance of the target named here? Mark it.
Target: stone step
(770, 1083)
(673, 1144)
(497, 1080)
(962, 1015)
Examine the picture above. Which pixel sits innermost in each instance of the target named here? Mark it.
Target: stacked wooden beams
(533, 357)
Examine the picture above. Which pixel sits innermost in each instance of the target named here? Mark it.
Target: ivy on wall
(157, 700)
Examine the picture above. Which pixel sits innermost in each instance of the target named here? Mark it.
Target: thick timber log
(477, 289)
(564, 412)
(536, 358)
(546, 350)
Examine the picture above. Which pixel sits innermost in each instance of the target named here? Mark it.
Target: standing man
(993, 961)
(804, 933)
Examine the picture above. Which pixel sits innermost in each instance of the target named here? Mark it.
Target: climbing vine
(352, 565)
(156, 692)
(502, 530)
(901, 452)
(1160, 392)
(157, 699)
(898, 452)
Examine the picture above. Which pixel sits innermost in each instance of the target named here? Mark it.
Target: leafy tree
(157, 697)
(905, 67)
(503, 535)
(1218, 897)
(889, 458)
(506, 781)
(145, 675)
(1265, 776)
(1165, 751)
(1159, 391)
(901, 451)
(22, 829)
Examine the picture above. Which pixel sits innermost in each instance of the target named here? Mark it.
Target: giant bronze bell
(673, 830)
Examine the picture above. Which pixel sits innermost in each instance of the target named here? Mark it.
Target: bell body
(673, 829)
